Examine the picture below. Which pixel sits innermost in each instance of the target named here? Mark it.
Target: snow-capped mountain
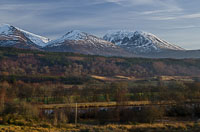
(114, 43)
(15, 37)
(81, 42)
(139, 42)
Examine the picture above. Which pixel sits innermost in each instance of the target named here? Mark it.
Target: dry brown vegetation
(156, 127)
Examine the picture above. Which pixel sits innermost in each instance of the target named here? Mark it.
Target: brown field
(177, 78)
(132, 78)
(114, 78)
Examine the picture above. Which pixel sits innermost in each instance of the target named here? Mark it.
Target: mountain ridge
(116, 43)
(81, 42)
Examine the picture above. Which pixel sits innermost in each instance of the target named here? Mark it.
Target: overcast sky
(177, 21)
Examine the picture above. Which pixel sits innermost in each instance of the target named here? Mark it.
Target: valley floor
(156, 127)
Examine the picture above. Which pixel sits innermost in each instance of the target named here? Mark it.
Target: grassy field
(95, 104)
(157, 127)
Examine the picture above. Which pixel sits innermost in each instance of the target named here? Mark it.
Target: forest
(18, 62)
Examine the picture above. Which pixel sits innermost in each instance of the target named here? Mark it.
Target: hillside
(37, 63)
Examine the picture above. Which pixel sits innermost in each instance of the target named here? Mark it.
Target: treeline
(28, 62)
(94, 91)
(19, 101)
(41, 79)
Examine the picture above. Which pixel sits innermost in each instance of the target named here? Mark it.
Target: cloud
(195, 15)
(186, 16)
(113, 1)
(129, 2)
(171, 10)
(181, 27)
(163, 3)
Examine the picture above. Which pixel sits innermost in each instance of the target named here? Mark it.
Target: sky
(176, 21)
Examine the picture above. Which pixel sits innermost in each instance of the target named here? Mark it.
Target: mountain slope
(11, 36)
(139, 42)
(177, 54)
(81, 42)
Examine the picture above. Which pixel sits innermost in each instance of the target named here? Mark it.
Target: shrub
(20, 122)
(180, 110)
(151, 114)
(45, 125)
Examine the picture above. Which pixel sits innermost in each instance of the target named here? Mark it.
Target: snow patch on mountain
(38, 40)
(75, 35)
(5, 29)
